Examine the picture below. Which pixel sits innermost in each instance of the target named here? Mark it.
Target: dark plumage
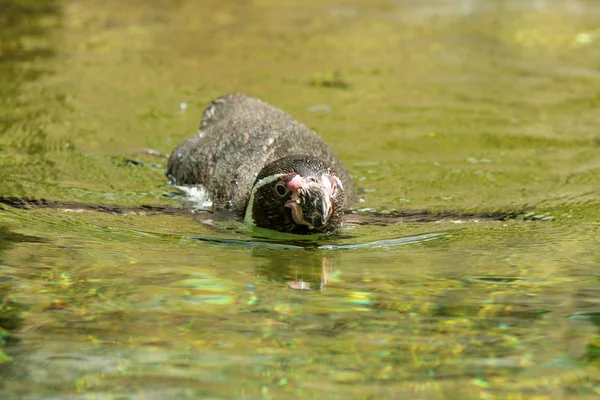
(249, 150)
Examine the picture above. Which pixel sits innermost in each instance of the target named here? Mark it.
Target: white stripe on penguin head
(248, 218)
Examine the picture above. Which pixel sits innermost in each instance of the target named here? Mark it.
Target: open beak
(310, 205)
(294, 205)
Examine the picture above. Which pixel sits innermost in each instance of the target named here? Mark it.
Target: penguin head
(296, 194)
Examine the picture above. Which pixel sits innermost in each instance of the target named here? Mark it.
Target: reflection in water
(302, 270)
(307, 266)
(8, 238)
(11, 317)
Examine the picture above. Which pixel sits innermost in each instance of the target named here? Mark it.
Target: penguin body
(244, 144)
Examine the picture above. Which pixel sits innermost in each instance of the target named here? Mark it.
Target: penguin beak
(311, 205)
(321, 209)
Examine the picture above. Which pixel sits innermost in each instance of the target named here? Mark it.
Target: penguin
(267, 168)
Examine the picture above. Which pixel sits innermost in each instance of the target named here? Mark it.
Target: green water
(459, 106)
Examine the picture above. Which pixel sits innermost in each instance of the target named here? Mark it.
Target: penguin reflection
(305, 270)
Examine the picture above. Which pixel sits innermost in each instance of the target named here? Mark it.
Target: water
(457, 107)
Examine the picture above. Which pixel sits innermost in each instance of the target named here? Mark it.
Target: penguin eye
(281, 189)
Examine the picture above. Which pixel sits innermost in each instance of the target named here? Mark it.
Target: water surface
(450, 106)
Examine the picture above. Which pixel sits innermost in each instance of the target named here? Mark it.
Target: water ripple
(254, 244)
